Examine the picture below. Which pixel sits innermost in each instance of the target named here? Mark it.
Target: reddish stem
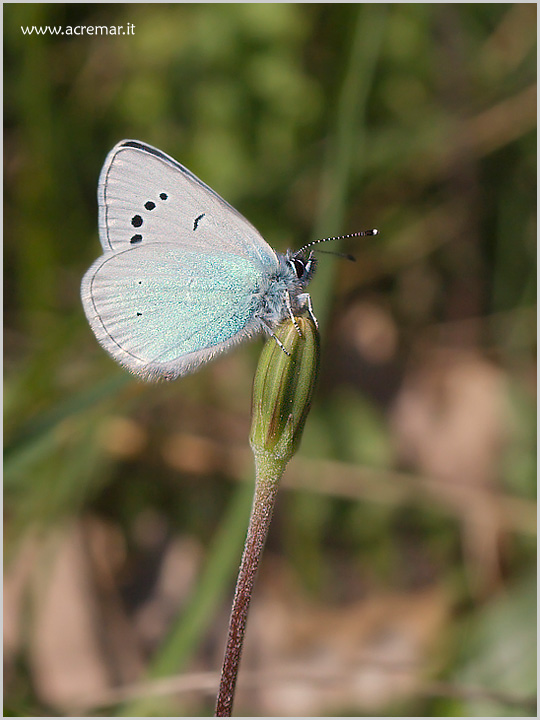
(259, 523)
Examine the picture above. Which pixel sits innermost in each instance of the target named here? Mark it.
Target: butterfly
(183, 276)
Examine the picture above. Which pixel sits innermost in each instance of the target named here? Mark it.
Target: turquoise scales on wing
(181, 301)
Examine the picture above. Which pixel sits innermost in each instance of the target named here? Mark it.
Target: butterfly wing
(182, 271)
(161, 310)
(145, 196)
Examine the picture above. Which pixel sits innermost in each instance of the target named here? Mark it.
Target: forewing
(161, 310)
(145, 197)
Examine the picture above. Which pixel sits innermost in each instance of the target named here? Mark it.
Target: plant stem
(282, 393)
(266, 487)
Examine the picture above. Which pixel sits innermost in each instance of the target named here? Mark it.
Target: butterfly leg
(278, 341)
(289, 308)
(304, 300)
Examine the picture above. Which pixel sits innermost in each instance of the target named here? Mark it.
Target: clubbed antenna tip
(361, 233)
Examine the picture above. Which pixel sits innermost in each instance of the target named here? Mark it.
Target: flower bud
(282, 392)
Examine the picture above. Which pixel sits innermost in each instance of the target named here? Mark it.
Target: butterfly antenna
(362, 233)
(347, 256)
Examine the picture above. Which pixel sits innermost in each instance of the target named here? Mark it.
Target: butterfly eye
(299, 267)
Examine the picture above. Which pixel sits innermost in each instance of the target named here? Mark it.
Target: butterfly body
(183, 276)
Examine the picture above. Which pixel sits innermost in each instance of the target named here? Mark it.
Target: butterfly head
(303, 265)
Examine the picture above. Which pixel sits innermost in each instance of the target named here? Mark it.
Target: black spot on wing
(197, 220)
(137, 220)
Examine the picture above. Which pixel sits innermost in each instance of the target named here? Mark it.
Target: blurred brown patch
(122, 437)
(371, 330)
(449, 423)
(312, 659)
(80, 643)
(177, 574)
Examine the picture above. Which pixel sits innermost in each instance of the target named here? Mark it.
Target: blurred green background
(399, 577)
